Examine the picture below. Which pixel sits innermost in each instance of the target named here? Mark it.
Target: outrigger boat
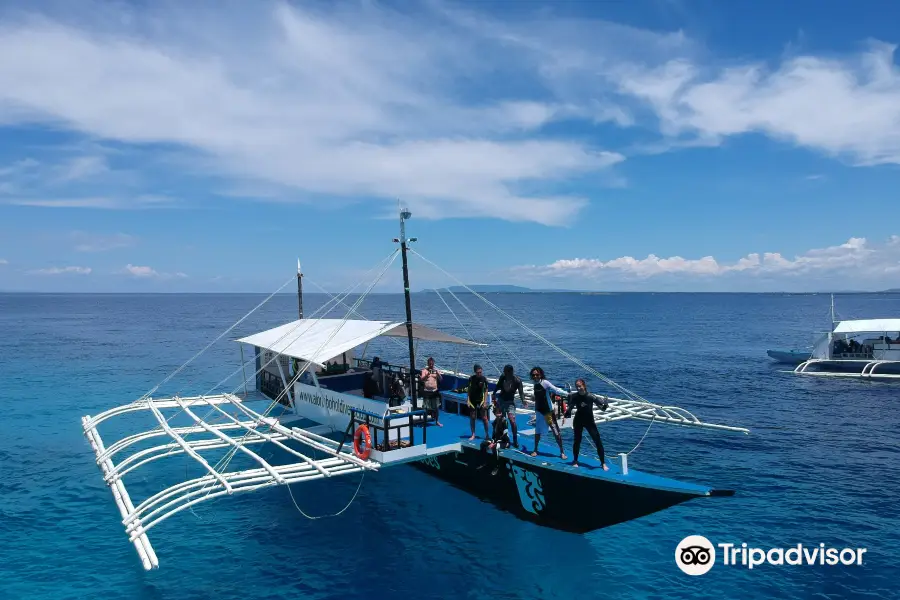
(857, 348)
(307, 401)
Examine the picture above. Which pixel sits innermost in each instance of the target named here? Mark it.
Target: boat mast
(832, 312)
(404, 216)
(299, 289)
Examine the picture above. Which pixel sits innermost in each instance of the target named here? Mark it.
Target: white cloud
(144, 272)
(846, 107)
(438, 106)
(91, 242)
(364, 103)
(3, 261)
(62, 271)
(857, 258)
(83, 167)
(140, 271)
(98, 202)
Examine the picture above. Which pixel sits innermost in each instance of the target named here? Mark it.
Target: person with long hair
(545, 419)
(583, 403)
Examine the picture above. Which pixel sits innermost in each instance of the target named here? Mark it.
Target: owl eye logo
(695, 555)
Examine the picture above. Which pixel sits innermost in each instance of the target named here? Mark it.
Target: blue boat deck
(457, 429)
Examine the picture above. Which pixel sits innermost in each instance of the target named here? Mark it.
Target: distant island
(496, 289)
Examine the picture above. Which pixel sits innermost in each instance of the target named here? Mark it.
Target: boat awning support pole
(287, 389)
(243, 371)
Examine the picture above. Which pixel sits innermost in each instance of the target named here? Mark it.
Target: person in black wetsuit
(477, 399)
(583, 403)
(499, 438)
(507, 385)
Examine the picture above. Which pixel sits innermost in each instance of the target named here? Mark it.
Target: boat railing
(391, 428)
(272, 386)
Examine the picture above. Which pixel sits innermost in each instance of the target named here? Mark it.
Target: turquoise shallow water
(821, 465)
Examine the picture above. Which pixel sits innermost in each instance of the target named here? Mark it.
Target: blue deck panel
(457, 429)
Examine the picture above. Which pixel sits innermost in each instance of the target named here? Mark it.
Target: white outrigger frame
(138, 520)
(824, 348)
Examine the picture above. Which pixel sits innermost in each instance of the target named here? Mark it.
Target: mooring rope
(338, 513)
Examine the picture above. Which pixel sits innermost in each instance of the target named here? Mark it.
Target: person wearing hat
(477, 401)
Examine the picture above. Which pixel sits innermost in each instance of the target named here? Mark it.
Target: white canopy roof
(311, 339)
(868, 326)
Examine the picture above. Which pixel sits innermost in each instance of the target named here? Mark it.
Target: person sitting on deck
(507, 386)
(477, 400)
(499, 438)
(583, 403)
(431, 378)
(543, 407)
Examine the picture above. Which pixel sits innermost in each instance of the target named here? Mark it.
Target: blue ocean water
(821, 464)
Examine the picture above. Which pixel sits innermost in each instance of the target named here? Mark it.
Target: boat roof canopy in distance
(320, 340)
(868, 326)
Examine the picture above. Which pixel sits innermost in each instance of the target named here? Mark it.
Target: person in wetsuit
(499, 438)
(507, 385)
(545, 419)
(583, 403)
(477, 400)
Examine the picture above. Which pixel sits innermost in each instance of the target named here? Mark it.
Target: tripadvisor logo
(696, 555)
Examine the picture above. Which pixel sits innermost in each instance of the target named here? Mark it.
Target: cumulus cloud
(62, 271)
(145, 272)
(857, 258)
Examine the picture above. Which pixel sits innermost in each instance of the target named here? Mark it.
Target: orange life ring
(361, 431)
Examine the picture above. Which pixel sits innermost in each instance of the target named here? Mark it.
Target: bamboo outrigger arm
(253, 427)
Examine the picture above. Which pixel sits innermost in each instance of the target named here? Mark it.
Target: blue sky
(646, 145)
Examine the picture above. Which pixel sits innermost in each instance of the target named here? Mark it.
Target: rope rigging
(634, 396)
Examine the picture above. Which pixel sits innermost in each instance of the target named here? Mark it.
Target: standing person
(545, 419)
(507, 385)
(583, 403)
(431, 379)
(376, 370)
(477, 394)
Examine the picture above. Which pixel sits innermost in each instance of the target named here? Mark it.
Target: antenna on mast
(832, 312)
(405, 215)
(299, 289)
